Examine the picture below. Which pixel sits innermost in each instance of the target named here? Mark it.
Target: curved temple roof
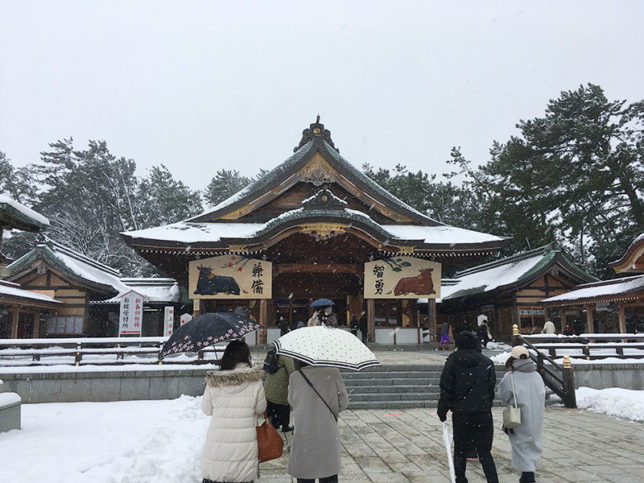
(316, 165)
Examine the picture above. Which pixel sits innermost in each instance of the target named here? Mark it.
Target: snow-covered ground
(129, 442)
(156, 441)
(614, 401)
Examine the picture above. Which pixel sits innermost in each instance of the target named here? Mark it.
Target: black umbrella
(209, 329)
(322, 303)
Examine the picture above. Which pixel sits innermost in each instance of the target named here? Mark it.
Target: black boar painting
(211, 284)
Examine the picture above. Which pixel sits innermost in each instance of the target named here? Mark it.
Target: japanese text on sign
(131, 314)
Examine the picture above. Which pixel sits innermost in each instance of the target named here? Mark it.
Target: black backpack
(270, 363)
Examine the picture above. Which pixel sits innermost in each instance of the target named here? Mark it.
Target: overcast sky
(205, 85)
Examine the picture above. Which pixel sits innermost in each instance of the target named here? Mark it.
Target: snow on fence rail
(590, 346)
(98, 351)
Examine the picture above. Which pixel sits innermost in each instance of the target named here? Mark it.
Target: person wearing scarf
(530, 393)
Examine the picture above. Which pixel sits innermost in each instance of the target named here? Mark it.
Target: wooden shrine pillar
(263, 319)
(15, 315)
(589, 319)
(621, 315)
(564, 318)
(431, 315)
(371, 320)
(196, 308)
(36, 331)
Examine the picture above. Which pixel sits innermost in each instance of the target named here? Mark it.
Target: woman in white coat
(234, 396)
(525, 439)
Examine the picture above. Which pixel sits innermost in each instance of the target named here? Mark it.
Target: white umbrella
(326, 346)
(447, 439)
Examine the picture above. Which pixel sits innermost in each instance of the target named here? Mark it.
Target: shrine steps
(396, 386)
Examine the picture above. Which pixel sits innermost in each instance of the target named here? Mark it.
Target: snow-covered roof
(261, 183)
(186, 232)
(190, 232)
(155, 289)
(488, 280)
(444, 234)
(316, 140)
(26, 215)
(13, 290)
(72, 262)
(633, 258)
(88, 268)
(605, 289)
(505, 272)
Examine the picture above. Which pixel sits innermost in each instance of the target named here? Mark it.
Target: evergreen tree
(163, 200)
(575, 176)
(16, 182)
(226, 183)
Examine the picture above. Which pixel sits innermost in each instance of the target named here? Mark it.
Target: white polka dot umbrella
(326, 346)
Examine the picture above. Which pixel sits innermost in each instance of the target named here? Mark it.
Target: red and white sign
(168, 321)
(185, 318)
(131, 315)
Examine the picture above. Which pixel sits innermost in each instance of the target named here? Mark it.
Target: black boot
(527, 477)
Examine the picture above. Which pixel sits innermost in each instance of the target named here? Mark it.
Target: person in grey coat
(525, 439)
(315, 448)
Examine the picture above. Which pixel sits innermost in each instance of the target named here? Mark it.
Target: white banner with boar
(230, 277)
(402, 278)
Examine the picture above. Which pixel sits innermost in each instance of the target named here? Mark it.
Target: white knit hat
(518, 351)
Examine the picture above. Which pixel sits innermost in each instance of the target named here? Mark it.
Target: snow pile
(498, 346)
(614, 401)
(130, 441)
(500, 359)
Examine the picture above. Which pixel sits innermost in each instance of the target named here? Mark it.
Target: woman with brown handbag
(234, 397)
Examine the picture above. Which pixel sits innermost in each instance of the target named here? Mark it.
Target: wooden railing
(559, 378)
(603, 345)
(39, 350)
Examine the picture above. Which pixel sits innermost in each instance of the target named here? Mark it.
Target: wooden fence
(590, 346)
(144, 350)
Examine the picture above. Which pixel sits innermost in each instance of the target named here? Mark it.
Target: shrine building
(316, 227)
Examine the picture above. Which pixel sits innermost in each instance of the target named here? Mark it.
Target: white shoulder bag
(512, 414)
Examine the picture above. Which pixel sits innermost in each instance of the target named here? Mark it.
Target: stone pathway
(406, 445)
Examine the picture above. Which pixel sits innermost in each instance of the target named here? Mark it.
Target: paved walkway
(407, 445)
(403, 355)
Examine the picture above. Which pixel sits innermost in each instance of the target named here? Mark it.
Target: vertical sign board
(185, 318)
(168, 321)
(131, 314)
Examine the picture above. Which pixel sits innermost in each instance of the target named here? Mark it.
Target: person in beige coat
(234, 397)
(315, 449)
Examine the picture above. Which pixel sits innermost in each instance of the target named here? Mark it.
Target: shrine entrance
(293, 293)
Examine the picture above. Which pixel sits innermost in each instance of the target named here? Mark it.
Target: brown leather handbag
(269, 443)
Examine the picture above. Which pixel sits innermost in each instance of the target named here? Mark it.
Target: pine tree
(574, 175)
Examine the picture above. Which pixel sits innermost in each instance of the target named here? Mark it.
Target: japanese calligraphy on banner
(131, 314)
(402, 278)
(168, 321)
(230, 277)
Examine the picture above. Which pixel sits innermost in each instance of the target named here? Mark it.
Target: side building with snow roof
(315, 227)
(16, 304)
(86, 293)
(510, 291)
(612, 305)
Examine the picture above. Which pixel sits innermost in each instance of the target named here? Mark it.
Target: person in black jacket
(467, 389)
